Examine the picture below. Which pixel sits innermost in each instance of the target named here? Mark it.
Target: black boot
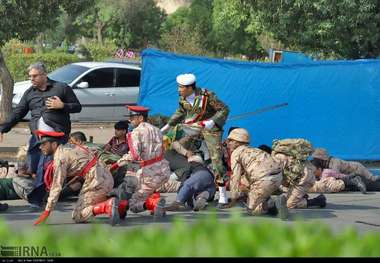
(320, 201)
(354, 183)
(3, 207)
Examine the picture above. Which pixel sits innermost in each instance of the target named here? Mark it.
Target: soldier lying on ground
(345, 167)
(332, 181)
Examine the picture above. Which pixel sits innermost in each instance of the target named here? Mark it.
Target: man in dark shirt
(50, 103)
(119, 143)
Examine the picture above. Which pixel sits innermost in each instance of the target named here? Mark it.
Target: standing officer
(202, 107)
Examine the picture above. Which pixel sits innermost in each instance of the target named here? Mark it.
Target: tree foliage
(342, 29)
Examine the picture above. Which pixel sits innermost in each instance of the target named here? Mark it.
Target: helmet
(320, 153)
(240, 135)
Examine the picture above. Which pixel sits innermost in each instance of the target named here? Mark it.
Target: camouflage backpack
(299, 150)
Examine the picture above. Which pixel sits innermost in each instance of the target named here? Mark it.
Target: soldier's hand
(42, 217)
(207, 124)
(54, 103)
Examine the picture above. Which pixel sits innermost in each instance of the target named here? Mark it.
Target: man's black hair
(121, 125)
(79, 136)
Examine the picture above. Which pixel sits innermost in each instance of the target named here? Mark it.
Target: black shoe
(320, 201)
(358, 182)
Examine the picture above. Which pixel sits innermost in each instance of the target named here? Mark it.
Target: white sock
(222, 195)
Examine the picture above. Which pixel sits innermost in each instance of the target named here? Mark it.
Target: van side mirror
(82, 85)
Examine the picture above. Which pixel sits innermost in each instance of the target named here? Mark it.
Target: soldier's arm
(135, 150)
(178, 116)
(60, 173)
(221, 109)
(235, 176)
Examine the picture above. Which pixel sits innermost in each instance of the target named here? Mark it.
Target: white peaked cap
(186, 79)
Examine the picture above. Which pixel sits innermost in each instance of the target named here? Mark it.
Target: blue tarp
(334, 104)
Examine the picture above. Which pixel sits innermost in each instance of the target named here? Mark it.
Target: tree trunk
(99, 29)
(6, 88)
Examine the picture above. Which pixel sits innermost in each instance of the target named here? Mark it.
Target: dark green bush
(101, 52)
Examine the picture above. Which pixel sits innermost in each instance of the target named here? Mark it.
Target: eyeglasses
(34, 76)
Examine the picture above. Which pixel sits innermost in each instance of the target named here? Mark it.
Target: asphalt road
(343, 210)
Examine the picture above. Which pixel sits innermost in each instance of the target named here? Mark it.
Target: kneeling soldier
(261, 171)
(78, 161)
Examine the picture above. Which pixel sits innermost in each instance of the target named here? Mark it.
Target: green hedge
(19, 63)
(206, 237)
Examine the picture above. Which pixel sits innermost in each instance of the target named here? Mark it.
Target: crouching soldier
(198, 186)
(298, 171)
(146, 150)
(78, 161)
(261, 171)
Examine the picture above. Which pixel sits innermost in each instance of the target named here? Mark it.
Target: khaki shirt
(254, 164)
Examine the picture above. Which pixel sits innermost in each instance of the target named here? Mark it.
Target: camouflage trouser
(171, 186)
(362, 171)
(327, 185)
(147, 185)
(90, 196)
(260, 192)
(213, 141)
(297, 193)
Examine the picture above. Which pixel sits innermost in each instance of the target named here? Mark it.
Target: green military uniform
(206, 106)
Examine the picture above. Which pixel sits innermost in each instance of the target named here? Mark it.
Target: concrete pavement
(347, 209)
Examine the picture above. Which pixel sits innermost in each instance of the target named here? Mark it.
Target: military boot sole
(201, 201)
(160, 208)
(115, 217)
(282, 208)
(200, 204)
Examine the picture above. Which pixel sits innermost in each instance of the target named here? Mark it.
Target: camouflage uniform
(298, 188)
(261, 171)
(344, 167)
(349, 167)
(327, 185)
(206, 107)
(69, 161)
(145, 143)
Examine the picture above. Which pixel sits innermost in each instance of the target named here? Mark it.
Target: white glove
(165, 129)
(209, 124)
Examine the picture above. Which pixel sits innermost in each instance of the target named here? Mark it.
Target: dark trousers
(199, 181)
(7, 191)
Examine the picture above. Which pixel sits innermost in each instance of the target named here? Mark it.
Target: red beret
(136, 110)
(55, 134)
